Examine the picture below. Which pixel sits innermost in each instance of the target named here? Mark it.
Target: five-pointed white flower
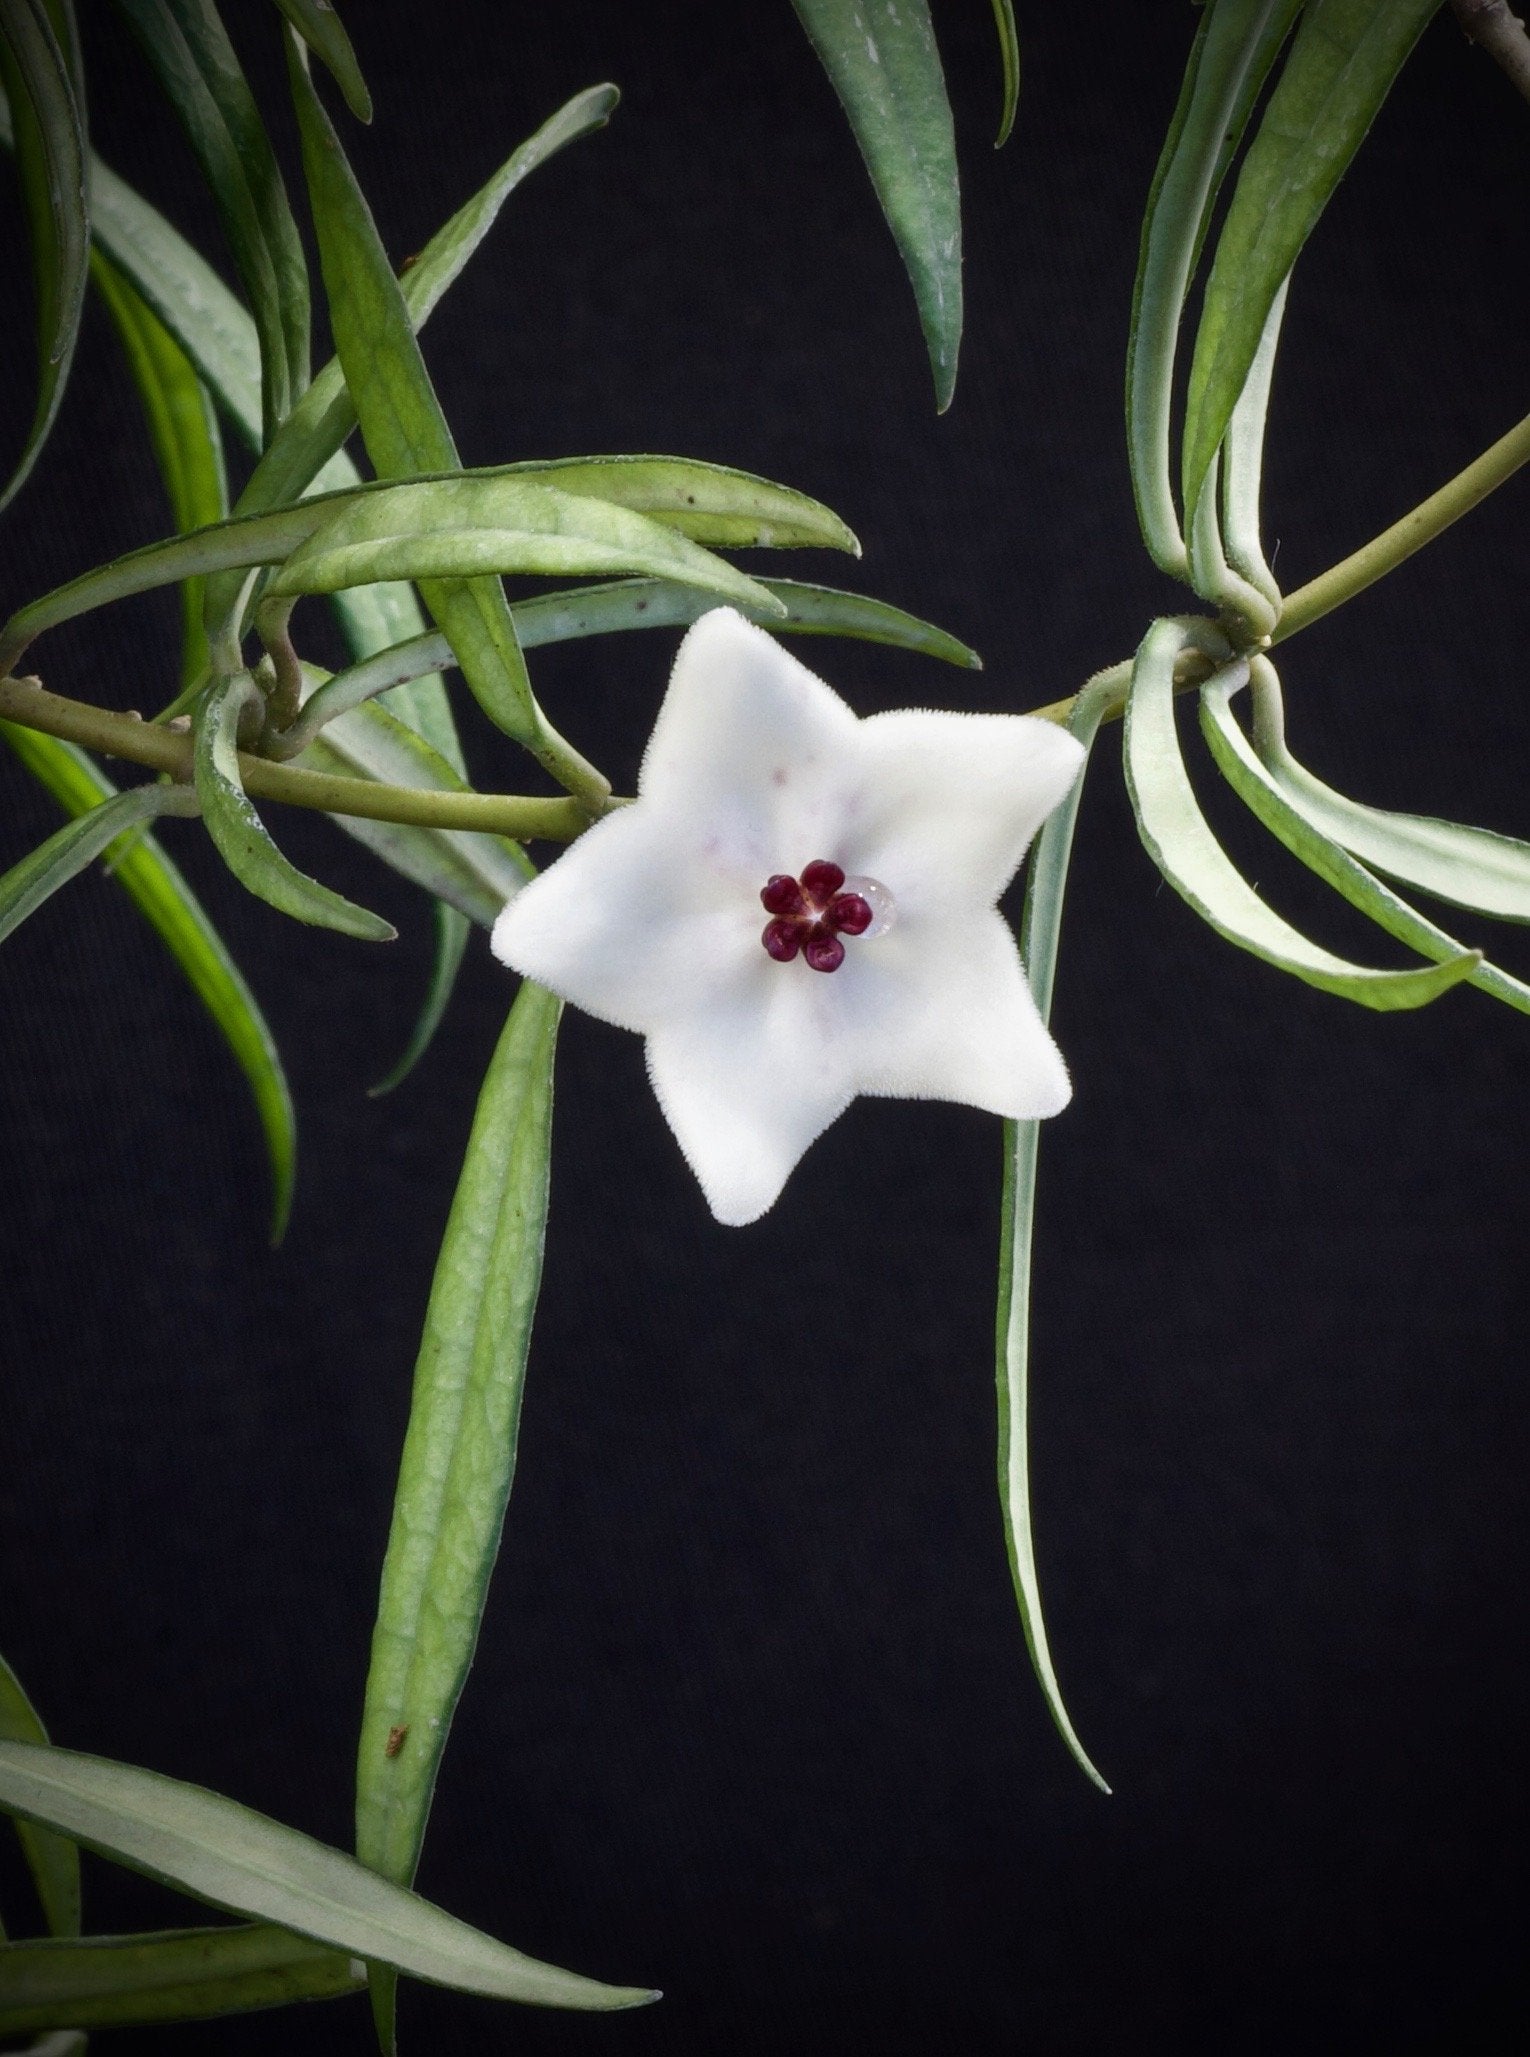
(878, 961)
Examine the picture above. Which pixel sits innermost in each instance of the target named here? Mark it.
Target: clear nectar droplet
(884, 909)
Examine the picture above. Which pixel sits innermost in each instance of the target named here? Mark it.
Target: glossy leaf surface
(67, 852)
(459, 1454)
(40, 72)
(1181, 844)
(885, 67)
(230, 1856)
(161, 894)
(53, 1860)
(1343, 60)
(241, 837)
(183, 1974)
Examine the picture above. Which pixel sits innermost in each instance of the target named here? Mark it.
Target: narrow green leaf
(1234, 48)
(467, 868)
(1342, 63)
(452, 931)
(320, 28)
(68, 851)
(459, 1454)
(1045, 885)
(179, 1974)
(710, 503)
(182, 429)
(161, 894)
(1468, 867)
(1009, 58)
(196, 64)
(1214, 578)
(1181, 844)
(884, 65)
(230, 1856)
(241, 837)
(53, 1860)
(1242, 472)
(39, 70)
(326, 414)
(401, 420)
(1300, 830)
(443, 531)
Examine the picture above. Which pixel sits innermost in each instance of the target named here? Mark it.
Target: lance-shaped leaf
(53, 1860)
(1343, 60)
(240, 835)
(502, 519)
(711, 503)
(326, 414)
(40, 72)
(882, 59)
(67, 852)
(471, 870)
(1234, 48)
(1181, 844)
(180, 1974)
(161, 894)
(452, 930)
(230, 1856)
(185, 42)
(1469, 867)
(320, 27)
(446, 530)
(182, 429)
(1009, 58)
(459, 1454)
(1283, 812)
(405, 430)
(1243, 469)
(1040, 928)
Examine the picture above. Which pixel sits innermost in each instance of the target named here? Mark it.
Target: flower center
(812, 913)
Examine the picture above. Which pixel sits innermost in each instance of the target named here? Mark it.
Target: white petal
(941, 1011)
(950, 802)
(752, 747)
(630, 924)
(750, 1082)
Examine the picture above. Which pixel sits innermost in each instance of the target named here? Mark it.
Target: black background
(752, 1718)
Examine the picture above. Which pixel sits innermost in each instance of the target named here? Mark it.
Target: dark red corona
(810, 914)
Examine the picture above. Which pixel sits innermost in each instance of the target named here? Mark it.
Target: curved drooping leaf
(452, 931)
(1469, 867)
(1300, 830)
(230, 1856)
(1009, 58)
(1345, 55)
(1243, 468)
(53, 1860)
(1180, 842)
(182, 429)
(40, 72)
(180, 1974)
(240, 835)
(1041, 924)
(884, 65)
(196, 64)
(162, 895)
(442, 531)
(710, 503)
(320, 28)
(459, 1454)
(467, 868)
(67, 852)
(1234, 48)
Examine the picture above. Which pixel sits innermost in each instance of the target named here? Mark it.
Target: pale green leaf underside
(1181, 844)
(53, 1860)
(230, 1856)
(187, 1974)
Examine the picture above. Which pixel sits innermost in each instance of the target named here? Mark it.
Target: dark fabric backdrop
(752, 1718)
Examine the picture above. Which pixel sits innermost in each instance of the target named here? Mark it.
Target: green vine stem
(139, 742)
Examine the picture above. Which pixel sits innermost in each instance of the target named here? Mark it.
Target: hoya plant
(783, 863)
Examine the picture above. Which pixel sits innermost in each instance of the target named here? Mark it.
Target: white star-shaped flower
(800, 906)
